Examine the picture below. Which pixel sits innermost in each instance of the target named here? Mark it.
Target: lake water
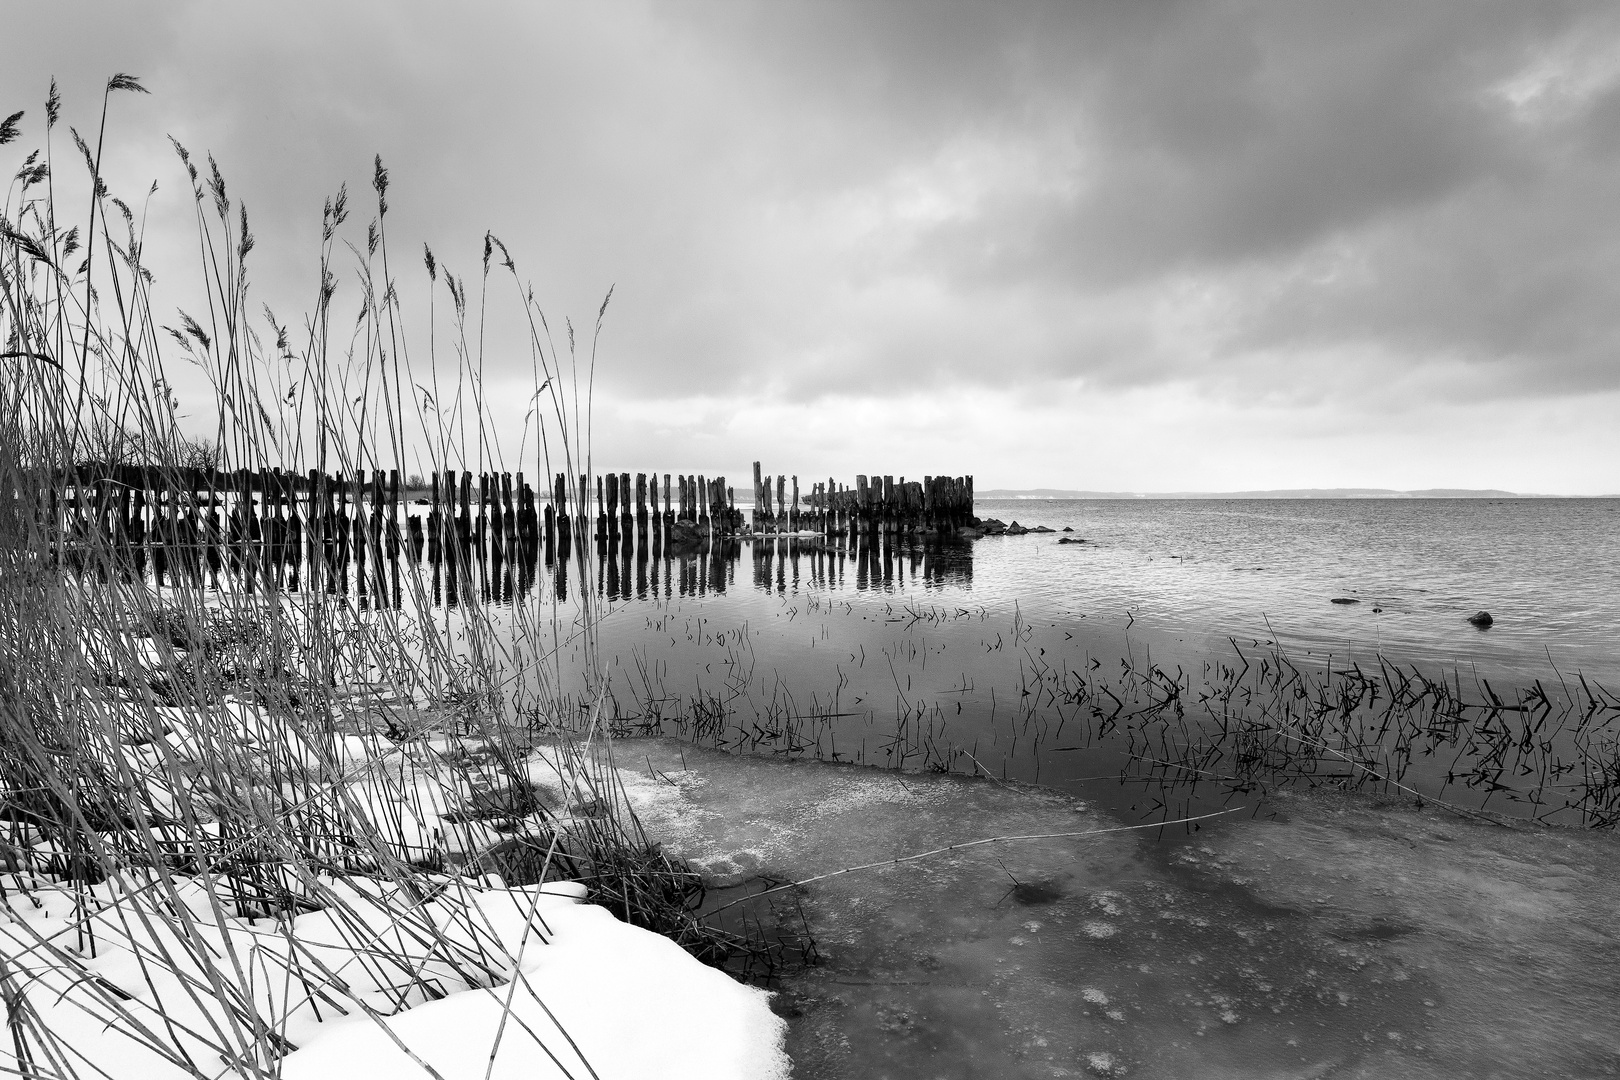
(1548, 571)
(1185, 654)
(1017, 656)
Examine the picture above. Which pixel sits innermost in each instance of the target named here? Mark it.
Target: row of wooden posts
(506, 573)
(880, 504)
(273, 507)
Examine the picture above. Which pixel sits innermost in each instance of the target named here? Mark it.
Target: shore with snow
(359, 930)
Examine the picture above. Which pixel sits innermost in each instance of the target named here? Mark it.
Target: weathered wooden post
(391, 523)
(626, 519)
(500, 488)
(464, 518)
(641, 507)
(759, 508)
(601, 511)
(558, 510)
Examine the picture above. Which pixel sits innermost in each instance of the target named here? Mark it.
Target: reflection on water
(632, 569)
(1548, 570)
(493, 568)
(1103, 668)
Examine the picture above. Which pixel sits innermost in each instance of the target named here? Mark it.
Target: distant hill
(1281, 493)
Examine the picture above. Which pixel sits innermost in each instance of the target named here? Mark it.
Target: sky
(1110, 246)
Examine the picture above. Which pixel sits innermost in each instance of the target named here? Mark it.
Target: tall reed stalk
(219, 748)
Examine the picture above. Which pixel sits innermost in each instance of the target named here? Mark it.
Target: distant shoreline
(1284, 493)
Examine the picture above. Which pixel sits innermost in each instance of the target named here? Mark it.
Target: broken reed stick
(974, 843)
(1461, 811)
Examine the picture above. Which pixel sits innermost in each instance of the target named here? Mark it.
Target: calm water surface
(919, 655)
(1077, 663)
(1548, 571)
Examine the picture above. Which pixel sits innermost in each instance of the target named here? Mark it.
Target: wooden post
(583, 507)
(447, 508)
(503, 507)
(760, 511)
(392, 519)
(523, 506)
(464, 519)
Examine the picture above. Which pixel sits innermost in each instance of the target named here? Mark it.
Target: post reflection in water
(494, 567)
(634, 571)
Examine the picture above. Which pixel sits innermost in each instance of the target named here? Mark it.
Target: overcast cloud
(1148, 246)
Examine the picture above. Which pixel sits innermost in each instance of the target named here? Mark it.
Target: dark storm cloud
(1245, 147)
(1333, 176)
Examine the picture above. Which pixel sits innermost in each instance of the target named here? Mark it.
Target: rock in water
(1481, 619)
(1345, 600)
(685, 533)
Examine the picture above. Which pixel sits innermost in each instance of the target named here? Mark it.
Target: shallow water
(1109, 668)
(1022, 657)
(1548, 571)
(1315, 936)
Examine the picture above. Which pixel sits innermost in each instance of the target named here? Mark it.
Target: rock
(1481, 619)
(1016, 529)
(1072, 540)
(1042, 528)
(1345, 600)
(683, 533)
(993, 526)
(1068, 528)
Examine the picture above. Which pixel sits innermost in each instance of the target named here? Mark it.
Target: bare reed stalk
(187, 757)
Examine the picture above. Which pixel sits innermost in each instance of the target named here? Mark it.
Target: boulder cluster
(996, 527)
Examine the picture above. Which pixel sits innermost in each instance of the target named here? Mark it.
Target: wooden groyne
(191, 520)
(936, 504)
(696, 506)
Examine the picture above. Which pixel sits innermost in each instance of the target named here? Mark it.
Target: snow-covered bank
(550, 986)
(286, 878)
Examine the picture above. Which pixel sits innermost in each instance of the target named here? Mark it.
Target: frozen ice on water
(1103, 1063)
(1108, 903)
